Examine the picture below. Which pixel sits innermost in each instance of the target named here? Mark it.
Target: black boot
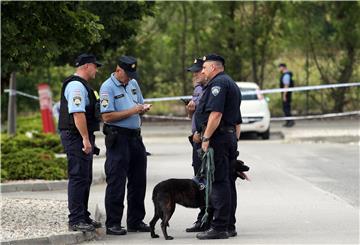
(115, 230)
(95, 223)
(212, 234)
(142, 227)
(81, 226)
(197, 227)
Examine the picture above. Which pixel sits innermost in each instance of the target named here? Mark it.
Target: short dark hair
(282, 65)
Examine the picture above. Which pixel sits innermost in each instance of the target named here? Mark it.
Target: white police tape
(13, 92)
(267, 91)
(322, 116)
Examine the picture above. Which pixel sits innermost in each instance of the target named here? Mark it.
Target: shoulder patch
(215, 90)
(77, 100)
(105, 102)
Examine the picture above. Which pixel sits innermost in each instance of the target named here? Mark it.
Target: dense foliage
(30, 154)
(32, 157)
(318, 40)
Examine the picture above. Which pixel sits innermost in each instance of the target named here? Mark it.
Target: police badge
(105, 102)
(77, 100)
(215, 90)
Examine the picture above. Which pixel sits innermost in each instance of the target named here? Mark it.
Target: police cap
(196, 66)
(214, 57)
(129, 65)
(83, 59)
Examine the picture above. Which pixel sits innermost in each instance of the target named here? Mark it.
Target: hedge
(24, 157)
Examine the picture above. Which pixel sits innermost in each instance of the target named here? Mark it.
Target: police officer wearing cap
(121, 105)
(217, 120)
(79, 118)
(198, 80)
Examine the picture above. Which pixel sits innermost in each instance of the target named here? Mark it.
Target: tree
(330, 33)
(37, 35)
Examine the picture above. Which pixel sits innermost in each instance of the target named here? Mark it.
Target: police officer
(121, 105)
(198, 80)
(286, 81)
(217, 120)
(78, 119)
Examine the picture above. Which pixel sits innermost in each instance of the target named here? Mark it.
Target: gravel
(30, 218)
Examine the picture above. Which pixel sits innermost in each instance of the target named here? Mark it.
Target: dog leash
(208, 167)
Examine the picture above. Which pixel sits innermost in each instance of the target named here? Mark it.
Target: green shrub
(32, 163)
(32, 157)
(38, 140)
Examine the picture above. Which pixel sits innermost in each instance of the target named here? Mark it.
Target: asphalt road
(299, 193)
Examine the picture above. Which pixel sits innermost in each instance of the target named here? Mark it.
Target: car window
(248, 94)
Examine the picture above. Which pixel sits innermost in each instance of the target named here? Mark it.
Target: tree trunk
(12, 105)
(183, 49)
(253, 43)
(345, 75)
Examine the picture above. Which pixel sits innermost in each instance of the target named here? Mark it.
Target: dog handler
(78, 119)
(217, 120)
(121, 105)
(198, 80)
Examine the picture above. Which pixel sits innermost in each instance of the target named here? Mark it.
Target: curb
(46, 185)
(66, 238)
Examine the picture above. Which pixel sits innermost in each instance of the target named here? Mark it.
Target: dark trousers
(287, 108)
(125, 159)
(79, 175)
(233, 202)
(225, 146)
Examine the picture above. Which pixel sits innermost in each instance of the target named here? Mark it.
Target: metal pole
(307, 82)
(12, 105)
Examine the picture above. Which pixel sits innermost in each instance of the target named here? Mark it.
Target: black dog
(185, 192)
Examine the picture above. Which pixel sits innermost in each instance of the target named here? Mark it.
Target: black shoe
(232, 233)
(290, 124)
(95, 223)
(212, 234)
(81, 226)
(116, 230)
(197, 227)
(142, 227)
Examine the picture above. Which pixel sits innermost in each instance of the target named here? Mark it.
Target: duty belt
(226, 129)
(111, 129)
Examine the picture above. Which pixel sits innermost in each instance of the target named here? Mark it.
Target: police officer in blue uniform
(79, 118)
(286, 81)
(217, 119)
(121, 105)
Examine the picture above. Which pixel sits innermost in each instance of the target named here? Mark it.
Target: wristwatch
(204, 139)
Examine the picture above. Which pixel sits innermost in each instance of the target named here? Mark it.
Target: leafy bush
(32, 163)
(19, 142)
(32, 156)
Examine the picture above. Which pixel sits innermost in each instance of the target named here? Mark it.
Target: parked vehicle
(254, 110)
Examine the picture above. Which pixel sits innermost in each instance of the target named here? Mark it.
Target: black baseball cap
(196, 66)
(129, 65)
(214, 57)
(83, 59)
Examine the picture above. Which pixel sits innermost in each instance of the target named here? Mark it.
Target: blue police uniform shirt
(221, 94)
(117, 97)
(286, 79)
(77, 96)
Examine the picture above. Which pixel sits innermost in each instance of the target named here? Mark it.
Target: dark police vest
(92, 111)
(288, 94)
